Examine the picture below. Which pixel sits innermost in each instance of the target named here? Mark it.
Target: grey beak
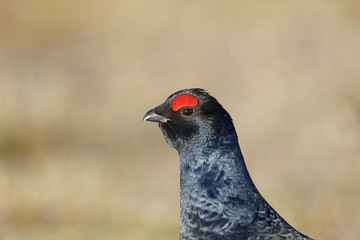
(152, 116)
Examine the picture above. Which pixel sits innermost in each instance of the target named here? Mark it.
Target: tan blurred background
(76, 78)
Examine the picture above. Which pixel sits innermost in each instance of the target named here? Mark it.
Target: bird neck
(218, 164)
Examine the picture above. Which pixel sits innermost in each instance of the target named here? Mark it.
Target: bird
(218, 199)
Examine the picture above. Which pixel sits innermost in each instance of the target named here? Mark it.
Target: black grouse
(218, 199)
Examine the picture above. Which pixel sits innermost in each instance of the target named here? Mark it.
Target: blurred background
(76, 77)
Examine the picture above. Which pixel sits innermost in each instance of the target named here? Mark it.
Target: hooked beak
(152, 116)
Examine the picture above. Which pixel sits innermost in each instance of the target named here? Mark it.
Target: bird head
(189, 117)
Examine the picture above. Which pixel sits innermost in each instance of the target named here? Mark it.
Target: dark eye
(187, 111)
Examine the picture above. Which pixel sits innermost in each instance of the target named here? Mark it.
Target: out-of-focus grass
(76, 77)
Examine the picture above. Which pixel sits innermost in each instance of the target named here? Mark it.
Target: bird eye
(187, 111)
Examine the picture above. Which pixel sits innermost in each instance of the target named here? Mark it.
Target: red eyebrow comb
(184, 100)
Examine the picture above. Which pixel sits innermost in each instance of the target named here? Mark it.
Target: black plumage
(218, 199)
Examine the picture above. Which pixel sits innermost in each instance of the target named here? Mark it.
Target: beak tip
(144, 118)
